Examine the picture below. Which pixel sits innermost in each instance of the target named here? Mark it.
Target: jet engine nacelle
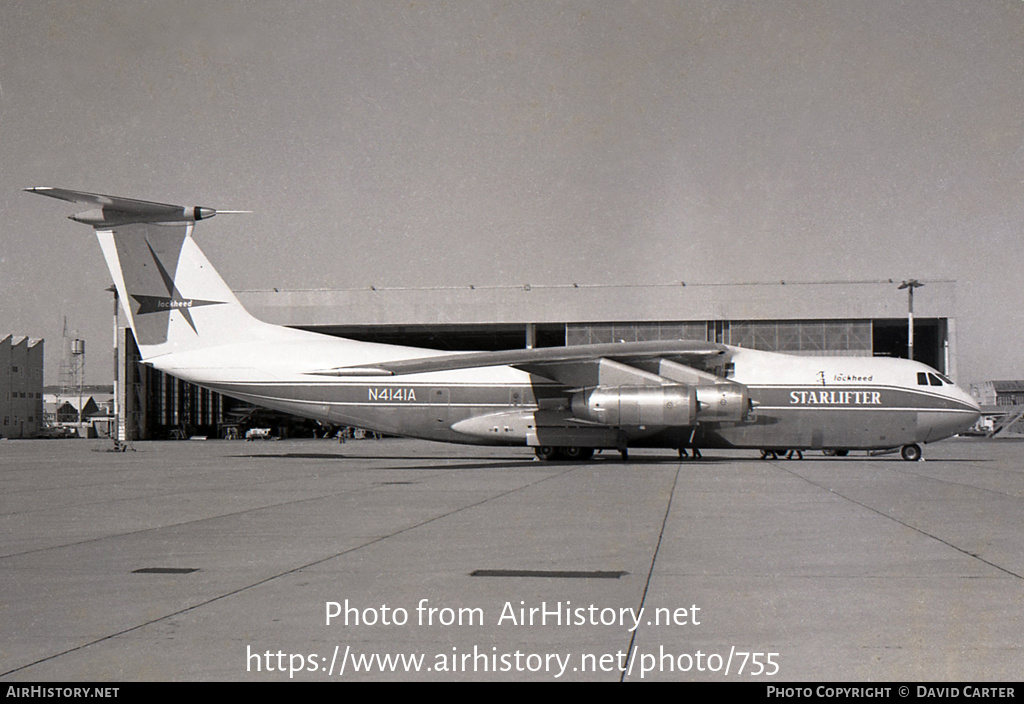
(722, 402)
(672, 405)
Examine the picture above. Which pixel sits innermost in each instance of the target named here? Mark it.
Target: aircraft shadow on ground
(497, 462)
(521, 462)
(434, 462)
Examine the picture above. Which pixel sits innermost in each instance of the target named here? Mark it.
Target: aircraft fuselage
(795, 402)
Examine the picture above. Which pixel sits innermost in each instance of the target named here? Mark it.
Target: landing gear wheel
(578, 454)
(911, 453)
(546, 453)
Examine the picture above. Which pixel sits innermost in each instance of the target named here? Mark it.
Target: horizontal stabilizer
(114, 210)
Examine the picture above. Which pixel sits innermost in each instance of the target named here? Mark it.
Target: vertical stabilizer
(174, 299)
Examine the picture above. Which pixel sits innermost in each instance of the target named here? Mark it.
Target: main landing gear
(571, 453)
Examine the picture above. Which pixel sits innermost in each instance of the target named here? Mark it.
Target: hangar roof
(780, 300)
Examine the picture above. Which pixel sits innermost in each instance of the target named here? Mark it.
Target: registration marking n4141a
(391, 393)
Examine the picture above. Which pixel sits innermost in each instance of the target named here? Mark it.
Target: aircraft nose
(968, 400)
(977, 414)
(953, 420)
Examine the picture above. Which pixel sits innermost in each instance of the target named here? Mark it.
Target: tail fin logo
(173, 300)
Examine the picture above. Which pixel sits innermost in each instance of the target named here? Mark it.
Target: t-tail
(174, 298)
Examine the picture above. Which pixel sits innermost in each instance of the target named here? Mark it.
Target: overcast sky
(453, 143)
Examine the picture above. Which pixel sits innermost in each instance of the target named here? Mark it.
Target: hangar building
(806, 318)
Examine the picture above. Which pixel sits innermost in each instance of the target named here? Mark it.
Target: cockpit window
(932, 379)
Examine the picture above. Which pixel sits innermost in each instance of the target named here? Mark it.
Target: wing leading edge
(577, 365)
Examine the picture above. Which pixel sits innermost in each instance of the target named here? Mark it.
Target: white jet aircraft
(565, 401)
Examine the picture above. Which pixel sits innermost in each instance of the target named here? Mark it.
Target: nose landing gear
(911, 453)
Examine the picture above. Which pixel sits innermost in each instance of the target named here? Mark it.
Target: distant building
(1002, 406)
(999, 393)
(58, 409)
(21, 387)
